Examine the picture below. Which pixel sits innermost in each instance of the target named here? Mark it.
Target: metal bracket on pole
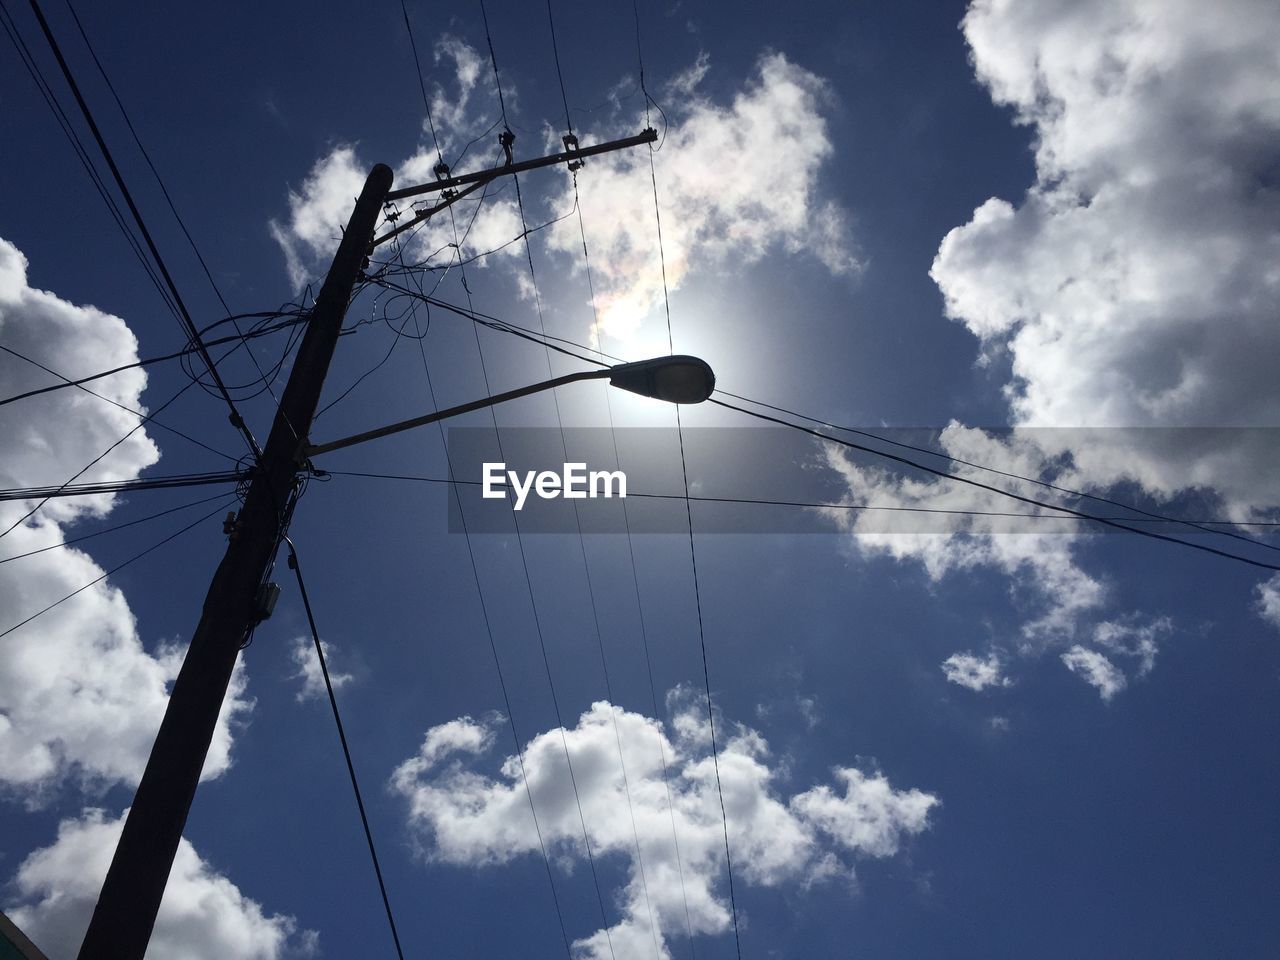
(573, 155)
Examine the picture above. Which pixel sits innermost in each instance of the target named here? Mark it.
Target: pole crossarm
(649, 135)
(305, 453)
(428, 213)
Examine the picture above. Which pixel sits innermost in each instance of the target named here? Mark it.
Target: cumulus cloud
(464, 815)
(1268, 604)
(1132, 289)
(773, 129)
(976, 673)
(80, 696)
(202, 915)
(1095, 669)
(307, 669)
(1135, 284)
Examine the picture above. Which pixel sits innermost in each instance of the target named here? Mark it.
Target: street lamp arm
(675, 379)
(307, 452)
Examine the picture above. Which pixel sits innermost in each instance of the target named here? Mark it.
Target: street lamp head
(675, 379)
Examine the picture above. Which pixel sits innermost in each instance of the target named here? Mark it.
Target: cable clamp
(505, 139)
(231, 525)
(571, 145)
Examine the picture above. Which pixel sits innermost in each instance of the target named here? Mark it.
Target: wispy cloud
(306, 664)
(1268, 600)
(1096, 670)
(1131, 638)
(975, 673)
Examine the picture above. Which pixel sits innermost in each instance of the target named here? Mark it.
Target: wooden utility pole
(131, 894)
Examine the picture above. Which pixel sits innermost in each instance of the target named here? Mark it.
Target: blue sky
(938, 734)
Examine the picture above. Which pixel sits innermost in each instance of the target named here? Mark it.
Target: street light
(675, 379)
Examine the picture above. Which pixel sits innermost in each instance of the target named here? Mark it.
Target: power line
(342, 736)
(1198, 524)
(99, 457)
(809, 504)
(122, 486)
(91, 463)
(475, 569)
(187, 351)
(118, 526)
(506, 139)
(503, 326)
(116, 568)
(1004, 493)
(570, 141)
(693, 554)
(1146, 516)
(555, 49)
(497, 662)
(188, 325)
(164, 190)
(144, 417)
(77, 147)
(644, 633)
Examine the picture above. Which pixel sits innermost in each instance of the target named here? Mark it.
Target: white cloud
(318, 212)
(1132, 288)
(975, 672)
(809, 711)
(1133, 639)
(870, 817)
(202, 915)
(307, 669)
(1095, 669)
(1134, 285)
(80, 697)
(776, 135)
(462, 815)
(1269, 600)
(773, 129)
(1042, 565)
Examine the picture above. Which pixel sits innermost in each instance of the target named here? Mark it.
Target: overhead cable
(188, 325)
(997, 490)
(296, 567)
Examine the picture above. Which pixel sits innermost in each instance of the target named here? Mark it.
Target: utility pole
(130, 899)
(126, 911)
